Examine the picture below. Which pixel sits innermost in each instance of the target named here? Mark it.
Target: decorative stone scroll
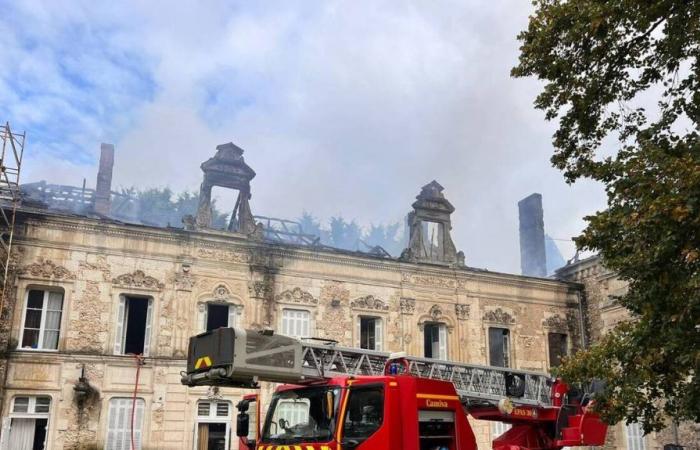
(499, 316)
(138, 279)
(296, 295)
(407, 305)
(184, 282)
(221, 293)
(45, 268)
(259, 289)
(436, 314)
(369, 302)
(462, 312)
(223, 255)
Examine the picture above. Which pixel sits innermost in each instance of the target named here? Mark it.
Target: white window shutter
(119, 337)
(358, 332)
(378, 335)
(232, 312)
(147, 334)
(202, 316)
(442, 341)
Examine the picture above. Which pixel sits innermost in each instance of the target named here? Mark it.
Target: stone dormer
(430, 227)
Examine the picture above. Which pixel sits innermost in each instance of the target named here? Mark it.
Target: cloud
(343, 107)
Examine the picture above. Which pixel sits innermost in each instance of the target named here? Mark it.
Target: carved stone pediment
(138, 279)
(499, 316)
(296, 295)
(45, 268)
(435, 312)
(407, 305)
(221, 293)
(369, 302)
(462, 312)
(556, 323)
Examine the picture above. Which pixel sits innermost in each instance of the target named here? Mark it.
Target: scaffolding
(10, 197)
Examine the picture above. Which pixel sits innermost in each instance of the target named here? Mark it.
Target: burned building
(98, 312)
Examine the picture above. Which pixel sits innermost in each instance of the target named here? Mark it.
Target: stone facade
(96, 262)
(602, 313)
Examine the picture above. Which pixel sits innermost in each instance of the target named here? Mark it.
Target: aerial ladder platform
(529, 400)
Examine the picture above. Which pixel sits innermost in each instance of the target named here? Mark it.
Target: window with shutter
(134, 320)
(499, 347)
(558, 348)
(635, 437)
(435, 340)
(119, 424)
(295, 323)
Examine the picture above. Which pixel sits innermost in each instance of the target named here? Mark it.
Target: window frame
(567, 346)
(42, 326)
(31, 408)
(378, 331)
(142, 425)
(443, 349)
(507, 353)
(637, 434)
(119, 341)
(227, 420)
(309, 324)
(235, 312)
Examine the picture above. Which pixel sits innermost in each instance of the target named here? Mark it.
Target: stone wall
(94, 263)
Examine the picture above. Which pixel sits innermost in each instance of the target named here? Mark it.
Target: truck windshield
(302, 415)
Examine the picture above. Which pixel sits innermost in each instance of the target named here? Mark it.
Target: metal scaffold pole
(10, 198)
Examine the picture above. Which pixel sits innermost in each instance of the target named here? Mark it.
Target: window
(432, 240)
(213, 422)
(558, 344)
(133, 326)
(435, 340)
(635, 437)
(218, 315)
(295, 323)
(26, 427)
(499, 347)
(370, 333)
(365, 412)
(119, 423)
(42, 319)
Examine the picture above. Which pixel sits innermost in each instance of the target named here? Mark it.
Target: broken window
(42, 319)
(296, 323)
(499, 347)
(218, 315)
(370, 332)
(133, 325)
(432, 240)
(435, 340)
(558, 344)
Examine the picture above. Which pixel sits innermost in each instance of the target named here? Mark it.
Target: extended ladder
(233, 357)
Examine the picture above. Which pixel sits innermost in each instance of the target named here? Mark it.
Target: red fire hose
(139, 363)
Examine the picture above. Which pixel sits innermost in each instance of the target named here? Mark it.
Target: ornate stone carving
(184, 282)
(259, 289)
(499, 316)
(435, 312)
(223, 255)
(369, 302)
(528, 341)
(45, 268)
(138, 279)
(429, 280)
(296, 295)
(221, 293)
(407, 305)
(462, 312)
(214, 393)
(556, 323)
(100, 265)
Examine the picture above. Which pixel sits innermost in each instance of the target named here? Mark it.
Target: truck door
(364, 423)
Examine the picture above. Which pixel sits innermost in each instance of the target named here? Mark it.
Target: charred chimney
(103, 190)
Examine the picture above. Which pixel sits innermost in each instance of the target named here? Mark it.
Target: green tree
(621, 77)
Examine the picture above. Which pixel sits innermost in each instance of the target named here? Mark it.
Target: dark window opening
(558, 348)
(431, 340)
(368, 333)
(39, 434)
(136, 315)
(499, 347)
(433, 240)
(212, 436)
(217, 316)
(365, 413)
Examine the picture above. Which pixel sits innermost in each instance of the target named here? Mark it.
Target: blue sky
(343, 107)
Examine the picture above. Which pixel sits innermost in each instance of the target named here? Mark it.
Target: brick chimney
(103, 201)
(533, 260)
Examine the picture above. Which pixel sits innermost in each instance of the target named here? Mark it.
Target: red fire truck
(335, 398)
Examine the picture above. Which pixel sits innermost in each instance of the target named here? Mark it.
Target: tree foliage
(621, 77)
